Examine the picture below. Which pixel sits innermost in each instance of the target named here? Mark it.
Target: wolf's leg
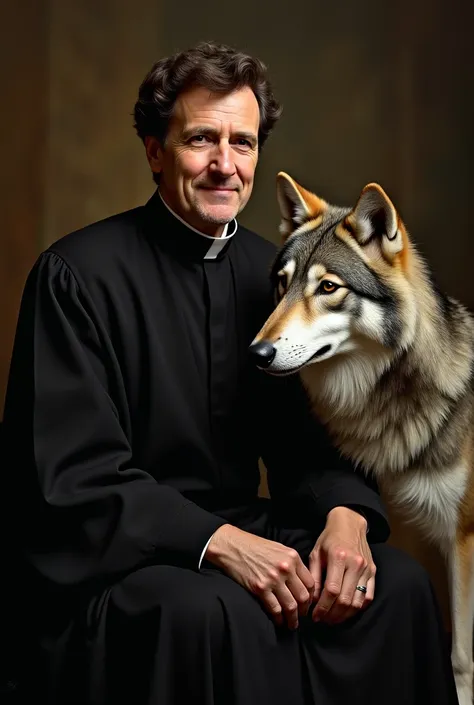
(461, 564)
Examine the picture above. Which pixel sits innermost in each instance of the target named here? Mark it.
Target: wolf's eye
(327, 287)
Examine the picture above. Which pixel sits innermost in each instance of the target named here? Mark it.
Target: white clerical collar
(217, 242)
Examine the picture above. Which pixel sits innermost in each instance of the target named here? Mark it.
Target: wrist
(220, 544)
(345, 514)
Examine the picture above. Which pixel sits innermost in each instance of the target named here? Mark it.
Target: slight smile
(217, 188)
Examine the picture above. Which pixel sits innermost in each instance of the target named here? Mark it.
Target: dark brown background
(372, 92)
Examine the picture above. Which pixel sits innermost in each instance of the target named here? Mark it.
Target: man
(135, 422)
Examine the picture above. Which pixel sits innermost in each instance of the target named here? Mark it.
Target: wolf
(388, 364)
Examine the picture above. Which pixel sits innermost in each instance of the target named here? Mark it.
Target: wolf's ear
(375, 219)
(296, 204)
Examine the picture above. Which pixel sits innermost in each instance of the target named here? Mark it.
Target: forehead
(198, 105)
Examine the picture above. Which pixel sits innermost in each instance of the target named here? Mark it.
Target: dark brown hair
(217, 67)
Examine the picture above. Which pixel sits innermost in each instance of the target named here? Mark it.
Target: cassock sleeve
(89, 512)
(307, 476)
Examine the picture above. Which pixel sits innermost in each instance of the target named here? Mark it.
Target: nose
(223, 162)
(263, 353)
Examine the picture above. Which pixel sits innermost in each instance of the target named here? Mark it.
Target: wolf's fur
(388, 364)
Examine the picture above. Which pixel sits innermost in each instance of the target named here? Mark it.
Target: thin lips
(220, 188)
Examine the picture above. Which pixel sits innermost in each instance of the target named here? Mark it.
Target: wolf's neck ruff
(389, 410)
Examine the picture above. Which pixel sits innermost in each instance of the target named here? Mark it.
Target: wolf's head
(343, 282)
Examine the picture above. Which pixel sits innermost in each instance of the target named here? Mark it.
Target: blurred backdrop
(372, 91)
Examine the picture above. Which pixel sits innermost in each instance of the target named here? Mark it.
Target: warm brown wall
(23, 119)
(70, 74)
(98, 55)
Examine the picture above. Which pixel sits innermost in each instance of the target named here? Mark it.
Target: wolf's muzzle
(263, 353)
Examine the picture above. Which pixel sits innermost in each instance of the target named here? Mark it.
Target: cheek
(316, 307)
(333, 303)
(246, 169)
(322, 317)
(191, 164)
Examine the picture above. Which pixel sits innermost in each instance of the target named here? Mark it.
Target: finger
(350, 597)
(360, 600)
(288, 604)
(305, 576)
(272, 606)
(301, 593)
(370, 594)
(344, 608)
(316, 570)
(332, 586)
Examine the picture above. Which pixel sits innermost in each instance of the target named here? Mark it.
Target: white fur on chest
(431, 500)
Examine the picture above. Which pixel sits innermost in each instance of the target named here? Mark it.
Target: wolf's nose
(263, 353)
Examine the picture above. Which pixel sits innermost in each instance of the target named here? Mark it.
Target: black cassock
(134, 423)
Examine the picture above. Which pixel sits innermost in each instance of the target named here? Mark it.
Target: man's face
(208, 160)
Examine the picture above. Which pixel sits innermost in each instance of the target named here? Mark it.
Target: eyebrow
(212, 132)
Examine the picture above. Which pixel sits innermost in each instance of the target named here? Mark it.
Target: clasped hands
(286, 587)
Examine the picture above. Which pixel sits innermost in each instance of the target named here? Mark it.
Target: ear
(297, 205)
(374, 219)
(154, 153)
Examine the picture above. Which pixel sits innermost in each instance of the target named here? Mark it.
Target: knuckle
(340, 554)
(373, 569)
(303, 596)
(275, 608)
(272, 576)
(368, 599)
(292, 555)
(332, 590)
(360, 562)
(284, 567)
(260, 586)
(291, 606)
(344, 600)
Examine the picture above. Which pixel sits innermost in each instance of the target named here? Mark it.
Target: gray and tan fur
(388, 364)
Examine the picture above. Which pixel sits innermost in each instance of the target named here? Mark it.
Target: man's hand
(342, 550)
(271, 571)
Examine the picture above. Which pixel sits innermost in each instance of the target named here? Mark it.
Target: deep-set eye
(243, 144)
(327, 287)
(200, 139)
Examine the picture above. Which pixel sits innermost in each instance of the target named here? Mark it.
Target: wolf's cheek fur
(369, 320)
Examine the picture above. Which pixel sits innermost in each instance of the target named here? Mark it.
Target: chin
(219, 215)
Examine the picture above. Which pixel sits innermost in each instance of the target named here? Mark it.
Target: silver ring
(361, 588)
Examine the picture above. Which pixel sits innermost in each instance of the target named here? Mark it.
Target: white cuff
(204, 551)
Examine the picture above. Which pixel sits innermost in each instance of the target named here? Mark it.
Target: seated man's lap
(187, 594)
(193, 593)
